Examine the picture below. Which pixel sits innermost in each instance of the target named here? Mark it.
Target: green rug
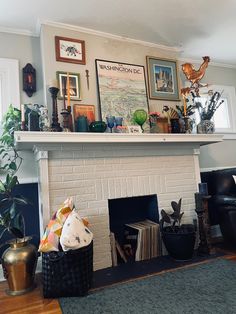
(207, 288)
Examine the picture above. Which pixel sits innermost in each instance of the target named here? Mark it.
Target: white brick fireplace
(93, 168)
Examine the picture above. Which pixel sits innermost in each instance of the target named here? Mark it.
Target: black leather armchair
(222, 205)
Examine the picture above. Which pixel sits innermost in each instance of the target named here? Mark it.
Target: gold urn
(19, 263)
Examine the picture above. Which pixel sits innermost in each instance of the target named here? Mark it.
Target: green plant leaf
(5, 203)
(165, 216)
(13, 166)
(13, 183)
(13, 211)
(17, 226)
(21, 200)
(2, 187)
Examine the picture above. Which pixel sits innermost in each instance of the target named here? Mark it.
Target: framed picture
(70, 50)
(74, 85)
(121, 89)
(162, 79)
(84, 110)
(134, 129)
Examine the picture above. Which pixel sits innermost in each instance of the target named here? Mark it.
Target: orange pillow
(50, 239)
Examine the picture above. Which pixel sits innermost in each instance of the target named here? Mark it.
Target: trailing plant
(11, 219)
(174, 219)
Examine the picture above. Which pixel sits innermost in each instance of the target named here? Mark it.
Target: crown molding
(216, 64)
(110, 36)
(19, 31)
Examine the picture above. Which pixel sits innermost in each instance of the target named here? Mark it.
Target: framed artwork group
(121, 86)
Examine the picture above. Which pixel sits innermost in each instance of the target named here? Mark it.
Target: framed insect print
(70, 50)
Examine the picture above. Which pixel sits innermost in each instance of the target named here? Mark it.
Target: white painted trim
(18, 31)
(27, 140)
(216, 168)
(212, 63)
(109, 35)
(44, 199)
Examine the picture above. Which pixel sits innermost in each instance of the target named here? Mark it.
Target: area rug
(208, 288)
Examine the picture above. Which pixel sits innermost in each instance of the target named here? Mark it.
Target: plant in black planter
(179, 239)
(18, 261)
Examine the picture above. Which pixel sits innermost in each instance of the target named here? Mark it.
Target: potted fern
(19, 260)
(179, 239)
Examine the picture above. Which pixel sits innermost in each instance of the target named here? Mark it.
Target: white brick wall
(92, 174)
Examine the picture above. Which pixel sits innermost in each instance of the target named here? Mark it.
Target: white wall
(31, 49)
(223, 154)
(26, 49)
(96, 48)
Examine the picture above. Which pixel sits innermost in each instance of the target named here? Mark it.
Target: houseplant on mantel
(179, 239)
(20, 259)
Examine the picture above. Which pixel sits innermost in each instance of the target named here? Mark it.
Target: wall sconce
(29, 79)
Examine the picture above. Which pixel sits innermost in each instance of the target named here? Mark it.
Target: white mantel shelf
(27, 140)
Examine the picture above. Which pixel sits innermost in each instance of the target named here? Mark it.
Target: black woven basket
(67, 274)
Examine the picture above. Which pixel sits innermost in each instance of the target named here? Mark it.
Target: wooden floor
(34, 303)
(30, 303)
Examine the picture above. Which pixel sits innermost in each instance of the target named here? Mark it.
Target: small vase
(206, 127)
(154, 128)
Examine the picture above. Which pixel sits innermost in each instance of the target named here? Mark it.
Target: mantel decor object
(201, 201)
(70, 50)
(29, 79)
(163, 82)
(55, 126)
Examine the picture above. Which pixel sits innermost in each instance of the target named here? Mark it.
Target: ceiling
(197, 28)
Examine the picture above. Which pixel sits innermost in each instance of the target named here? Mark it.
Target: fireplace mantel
(27, 140)
(94, 168)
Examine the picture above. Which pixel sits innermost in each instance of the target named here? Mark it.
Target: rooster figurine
(194, 76)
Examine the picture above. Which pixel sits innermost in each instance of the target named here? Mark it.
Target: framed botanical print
(70, 50)
(162, 79)
(121, 89)
(73, 84)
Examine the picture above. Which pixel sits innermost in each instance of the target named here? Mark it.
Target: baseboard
(38, 268)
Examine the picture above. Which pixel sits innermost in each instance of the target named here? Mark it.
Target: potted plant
(179, 239)
(19, 260)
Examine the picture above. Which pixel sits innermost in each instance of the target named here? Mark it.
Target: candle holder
(201, 201)
(55, 126)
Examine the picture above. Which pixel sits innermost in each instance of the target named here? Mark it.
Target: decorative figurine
(29, 79)
(194, 76)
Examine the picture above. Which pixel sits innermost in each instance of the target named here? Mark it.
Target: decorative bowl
(97, 126)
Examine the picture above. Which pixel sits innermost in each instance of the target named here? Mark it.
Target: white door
(9, 84)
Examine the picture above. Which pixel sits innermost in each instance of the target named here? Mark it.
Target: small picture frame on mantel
(70, 50)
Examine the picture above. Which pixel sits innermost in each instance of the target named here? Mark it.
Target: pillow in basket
(75, 233)
(50, 239)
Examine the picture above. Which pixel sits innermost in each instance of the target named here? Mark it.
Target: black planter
(180, 245)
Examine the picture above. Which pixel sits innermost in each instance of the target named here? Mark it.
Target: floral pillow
(75, 233)
(50, 239)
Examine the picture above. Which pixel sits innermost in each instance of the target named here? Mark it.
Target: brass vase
(19, 263)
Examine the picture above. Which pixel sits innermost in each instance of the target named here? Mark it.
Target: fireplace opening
(134, 227)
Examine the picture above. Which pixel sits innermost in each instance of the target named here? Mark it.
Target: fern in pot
(19, 260)
(179, 239)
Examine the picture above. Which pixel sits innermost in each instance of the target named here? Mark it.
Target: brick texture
(92, 177)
